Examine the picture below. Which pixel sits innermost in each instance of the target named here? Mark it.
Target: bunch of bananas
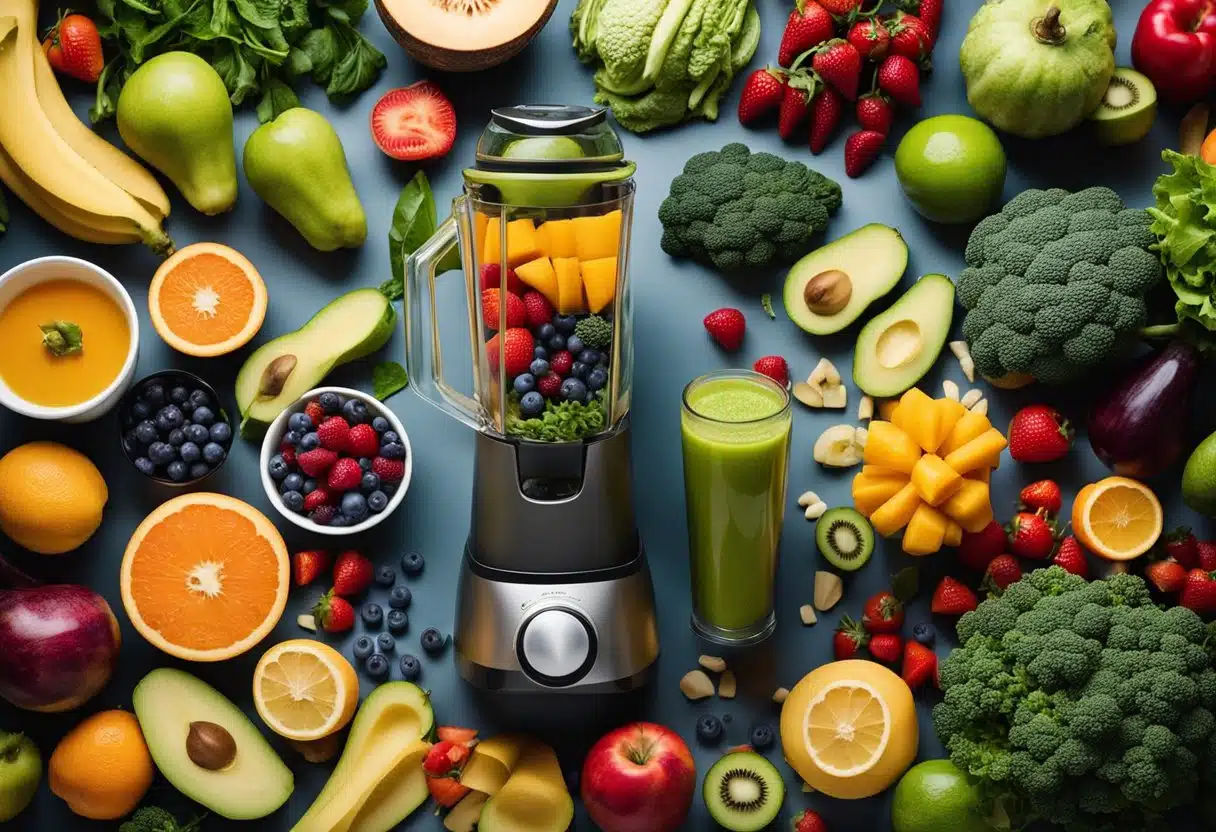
(54, 163)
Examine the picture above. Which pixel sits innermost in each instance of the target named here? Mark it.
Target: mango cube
(599, 237)
(599, 282)
(926, 531)
(968, 427)
(890, 447)
(935, 481)
(895, 513)
(971, 506)
(559, 238)
(887, 408)
(954, 534)
(870, 491)
(569, 285)
(921, 418)
(879, 471)
(983, 450)
(951, 413)
(539, 274)
(523, 244)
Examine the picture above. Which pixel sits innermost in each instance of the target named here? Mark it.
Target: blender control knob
(556, 647)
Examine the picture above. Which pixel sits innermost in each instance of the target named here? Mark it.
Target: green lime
(951, 168)
(543, 147)
(934, 796)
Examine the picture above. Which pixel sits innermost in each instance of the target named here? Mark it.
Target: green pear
(296, 163)
(174, 113)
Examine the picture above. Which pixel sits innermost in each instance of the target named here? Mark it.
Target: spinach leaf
(388, 378)
(413, 224)
(321, 47)
(261, 13)
(277, 98)
(358, 68)
(298, 63)
(140, 7)
(294, 19)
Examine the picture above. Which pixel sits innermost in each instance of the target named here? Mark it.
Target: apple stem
(641, 752)
(10, 745)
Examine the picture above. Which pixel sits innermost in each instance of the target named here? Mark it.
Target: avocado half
(464, 35)
(899, 345)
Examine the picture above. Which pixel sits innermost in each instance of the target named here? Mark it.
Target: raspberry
(363, 441)
(345, 475)
(561, 362)
(321, 515)
(537, 309)
(549, 385)
(288, 454)
(388, 470)
(316, 498)
(316, 462)
(334, 433)
(315, 412)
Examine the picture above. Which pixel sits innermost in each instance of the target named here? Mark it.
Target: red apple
(639, 778)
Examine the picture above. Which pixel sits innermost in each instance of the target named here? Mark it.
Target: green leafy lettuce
(1184, 221)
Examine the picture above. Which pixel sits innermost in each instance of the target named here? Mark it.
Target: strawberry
(726, 326)
(1167, 575)
(1039, 433)
(910, 37)
(795, 105)
(334, 434)
(953, 598)
(316, 498)
(315, 412)
(460, 736)
(849, 639)
(1003, 571)
(1043, 495)
(1031, 535)
(841, 8)
(899, 77)
(446, 759)
(808, 25)
(363, 441)
(882, 613)
(334, 613)
(446, 791)
(886, 647)
(1182, 546)
(839, 63)
(775, 367)
(1199, 592)
(73, 47)
(1207, 555)
(1071, 557)
(870, 38)
(414, 123)
(549, 385)
(491, 277)
(825, 117)
(518, 351)
(307, 565)
(920, 665)
(388, 470)
(561, 362)
(930, 13)
(352, 574)
(875, 112)
(979, 548)
(345, 475)
(860, 151)
(316, 462)
(516, 314)
(537, 309)
(762, 93)
(809, 821)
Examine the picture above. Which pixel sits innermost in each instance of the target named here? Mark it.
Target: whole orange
(102, 768)
(1207, 151)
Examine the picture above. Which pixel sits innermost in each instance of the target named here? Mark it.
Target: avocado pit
(210, 746)
(828, 292)
(276, 375)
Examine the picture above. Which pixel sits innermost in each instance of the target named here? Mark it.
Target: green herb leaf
(388, 378)
(62, 338)
(906, 583)
(413, 224)
(261, 13)
(359, 63)
(277, 98)
(766, 300)
(560, 422)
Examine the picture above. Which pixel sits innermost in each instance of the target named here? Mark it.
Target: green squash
(1036, 68)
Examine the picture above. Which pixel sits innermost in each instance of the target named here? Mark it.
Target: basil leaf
(277, 98)
(413, 224)
(388, 378)
(62, 338)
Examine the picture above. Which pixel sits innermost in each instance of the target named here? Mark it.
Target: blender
(555, 593)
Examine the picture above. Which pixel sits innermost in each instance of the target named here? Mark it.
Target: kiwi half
(845, 538)
(1128, 109)
(743, 792)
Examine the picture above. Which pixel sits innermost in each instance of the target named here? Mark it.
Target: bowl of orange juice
(71, 337)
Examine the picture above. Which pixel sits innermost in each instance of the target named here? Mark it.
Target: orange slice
(847, 728)
(207, 300)
(305, 690)
(1117, 518)
(205, 577)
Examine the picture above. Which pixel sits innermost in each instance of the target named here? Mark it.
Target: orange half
(205, 577)
(207, 300)
(847, 728)
(1117, 518)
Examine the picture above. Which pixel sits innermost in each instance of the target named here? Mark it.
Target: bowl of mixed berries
(174, 429)
(336, 462)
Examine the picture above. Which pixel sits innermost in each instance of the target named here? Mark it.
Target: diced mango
(522, 243)
(952, 411)
(971, 506)
(598, 237)
(559, 238)
(982, 474)
(935, 481)
(539, 274)
(542, 240)
(895, 513)
(599, 282)
(481, 222)
(969, 426)
(879, 471)
(954, 534)
(920, 417)
(870, 491)
(977, 453)
(889, 447)
(887, 408)
(569, 285)
(926, 531)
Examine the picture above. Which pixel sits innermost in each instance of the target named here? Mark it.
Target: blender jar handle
(428, 382)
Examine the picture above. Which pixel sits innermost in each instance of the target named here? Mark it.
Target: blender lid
(547, 119)
(549, 138)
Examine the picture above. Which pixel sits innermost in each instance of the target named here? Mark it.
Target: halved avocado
(898, 346)
(280, 371)
(829, 288)
(464, 35)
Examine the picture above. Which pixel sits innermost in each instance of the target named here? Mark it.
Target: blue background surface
(670, 300)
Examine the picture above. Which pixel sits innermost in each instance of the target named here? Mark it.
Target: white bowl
(274, 437)
(33, 272)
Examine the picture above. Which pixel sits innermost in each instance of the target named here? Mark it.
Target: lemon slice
(847, 727)
(1117, 518)
(305, 690)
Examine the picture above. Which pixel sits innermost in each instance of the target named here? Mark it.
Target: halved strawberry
(414, 123)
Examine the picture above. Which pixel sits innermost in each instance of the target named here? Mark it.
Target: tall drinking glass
(736, 437)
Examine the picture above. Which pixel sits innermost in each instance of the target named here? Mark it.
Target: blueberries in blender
(199, 470)
(329, 402)
(179, 395)
(177, 471)
(202, 415)
(557, 343)
(709, 728)
(190, 452)
(145, 466)
(372, 614)
(412, 563)
(277, 467)
(294, 501)
(385, 576)
(376, 666)
(762, 737)
(153, 394)
(433, 641)
(300, 422)
(220, 432)
(397, 621)
(161, 453)
(589, 357)
(597, 378)
(292, 482)
(146, 432)
(355, 412)
(386, 643)
(377, 502)
(399, 597)
(379, 424)
(924, 633)
(309, 442)
(575, 345)
(546, 331)
(540, 352)
(531, 404)
(565, 323)
(363, 648)
(197, 434)
(354, 506)
(573, 390)
(537, 368)
(526, 382)
(579, 370)
(411, 668)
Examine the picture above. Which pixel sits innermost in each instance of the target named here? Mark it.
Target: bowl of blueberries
(173, 428)
(336, 462)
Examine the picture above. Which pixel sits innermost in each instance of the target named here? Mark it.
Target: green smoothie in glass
(736, 437)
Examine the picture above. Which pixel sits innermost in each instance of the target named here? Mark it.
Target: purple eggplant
(1138, 427)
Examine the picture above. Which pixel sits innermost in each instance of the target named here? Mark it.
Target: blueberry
(145, 466)
(199, 398)
(397, 621)
(574, 344)
(540, 352)
(309, 441)
(386, 643)
(526, 382)
(372, 614)
(330, 402)
(412, 563)
(762, 737)
(557, 343)
(546, 331)
(709, 729)
(354, 506)
(176, 437)
(597, 378)
(386, 576)
(161, 453)
(924, 633)
(140, 410)
(433, 641)
(370, 482)
(411, 668)
(169, 417)
(539, 367)
(376, 666)
(187, 408)
(202, 416)
(392, 450)
(146, 432)
(399, 597)
(153, 394)
(564, 323)
(363, 648)
(292, 438)
(379, 424)
(310, 485)
(199, 470)
(388, 437)
(292, 482)
(588, 357)
(355, 412)
(365, 463)
(531, 404)
(177, 471)
(389, 488)
(294, 501)
(277, 467)
(190, 452)
(301, 422)
(579, 370)
(339, 520)
(197, 434)
(377, 502)
(179, 395)
(213, 453)
(573, 390)
(221, 432)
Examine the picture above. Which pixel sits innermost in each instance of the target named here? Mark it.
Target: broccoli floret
(734, 209)
(1055, 284)
(155, 819)
(595, 332)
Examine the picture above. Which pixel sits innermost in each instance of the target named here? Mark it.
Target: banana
(33, 144)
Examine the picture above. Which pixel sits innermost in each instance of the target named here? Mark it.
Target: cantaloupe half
(464, 35)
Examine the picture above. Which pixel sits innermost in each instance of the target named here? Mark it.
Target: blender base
(590, 632)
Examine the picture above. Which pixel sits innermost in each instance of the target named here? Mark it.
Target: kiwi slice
(743, 792)
(845, 538)
(1128, 109)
